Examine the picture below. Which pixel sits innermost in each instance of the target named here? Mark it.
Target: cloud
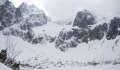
(37, 3)
(66, 9)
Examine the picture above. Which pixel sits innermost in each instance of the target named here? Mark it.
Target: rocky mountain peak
(29, 16)
(23, 5)
(84, 19)
(29, 9)
(7, 13)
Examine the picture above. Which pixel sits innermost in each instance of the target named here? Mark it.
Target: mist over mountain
(22, 20)
(58, 42)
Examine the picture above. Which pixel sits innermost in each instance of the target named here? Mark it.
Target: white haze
(67, 9)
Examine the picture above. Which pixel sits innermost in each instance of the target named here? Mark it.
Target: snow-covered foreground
(45, 55)
(101, 67)
(4, 67)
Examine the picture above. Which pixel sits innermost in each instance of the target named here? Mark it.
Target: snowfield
(30, 40)
(101, 67)
(51, 28)
(46, 56)
(4, 67)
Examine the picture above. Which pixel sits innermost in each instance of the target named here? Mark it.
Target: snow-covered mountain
(44, 43)
(7, 14)
(84, 30)
(30, 16)
(25, 18)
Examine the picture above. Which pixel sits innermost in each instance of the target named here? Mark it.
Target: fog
(67, 9)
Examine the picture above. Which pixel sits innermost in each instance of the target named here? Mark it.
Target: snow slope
(45, 55)
(101, 67)
(51, 28)
(4, 67)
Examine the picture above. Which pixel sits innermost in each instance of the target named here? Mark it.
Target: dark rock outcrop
(37, 40)
(3, 56)
(7, 14)
(113, 28)
(29, 16)
(70, 39)
(25, 17)
(84, 19)
(81, 32)
(98, 32)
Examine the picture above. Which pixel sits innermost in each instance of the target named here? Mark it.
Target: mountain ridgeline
(21, 21)
(84, 30)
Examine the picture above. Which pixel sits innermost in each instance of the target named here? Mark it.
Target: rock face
(30, 16)
(70, 39)
(113, 28)
(77, 35)
(84, 19)
(7, 14)
(98, 32)
(24, 18)
(81, 32)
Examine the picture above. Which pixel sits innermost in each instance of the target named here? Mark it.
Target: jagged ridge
(21, 21)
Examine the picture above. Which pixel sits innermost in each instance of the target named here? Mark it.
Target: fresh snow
(45, 56)
(4, 67)
(51, 29)
(101, 67)
(45, 53)
(119, 29)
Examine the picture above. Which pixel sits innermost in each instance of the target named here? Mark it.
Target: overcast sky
(66, 9)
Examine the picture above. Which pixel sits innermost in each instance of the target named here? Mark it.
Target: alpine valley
(30, 40)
